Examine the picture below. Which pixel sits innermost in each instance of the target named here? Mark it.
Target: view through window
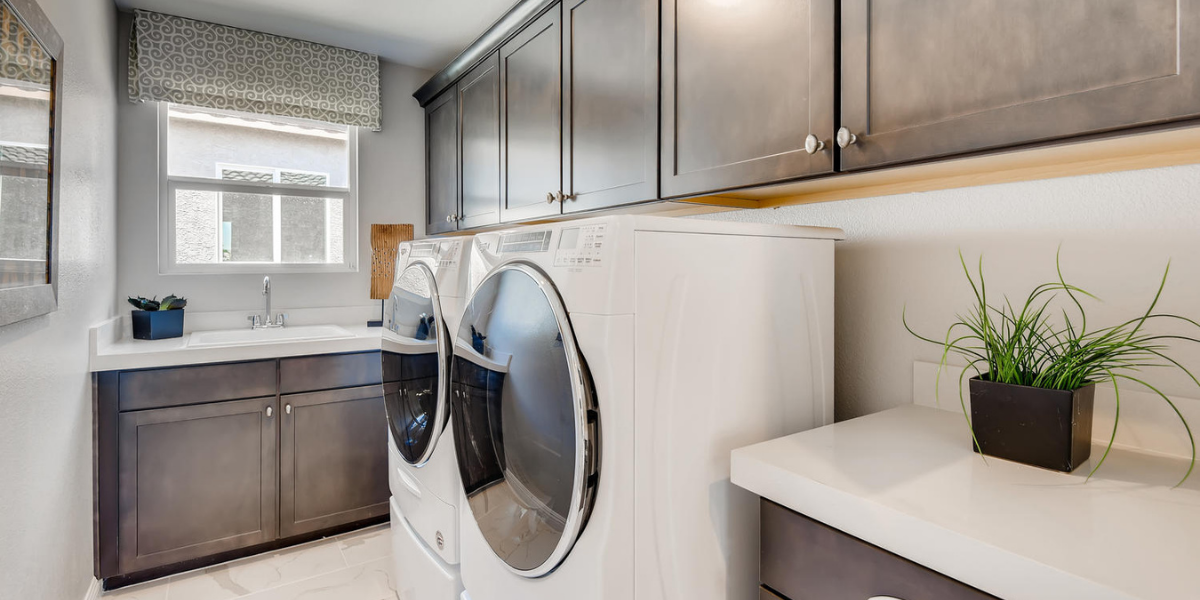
(257, 191)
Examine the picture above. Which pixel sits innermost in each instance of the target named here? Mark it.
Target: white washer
(426, 304)
(603, 372)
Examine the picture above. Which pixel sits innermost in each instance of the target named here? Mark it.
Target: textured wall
(1117, 231)
(45, 387)
(391, 189)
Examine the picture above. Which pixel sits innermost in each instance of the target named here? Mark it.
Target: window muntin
(253, 193)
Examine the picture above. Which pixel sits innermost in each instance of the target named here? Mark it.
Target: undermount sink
(245, 337)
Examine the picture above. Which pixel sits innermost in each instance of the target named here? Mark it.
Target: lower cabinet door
(333, 459)
(804, 559)
(195, 481)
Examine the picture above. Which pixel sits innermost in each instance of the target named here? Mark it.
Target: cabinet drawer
(803, 559)
(161, 388)
(330, 371)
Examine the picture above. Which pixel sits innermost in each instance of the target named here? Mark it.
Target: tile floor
(351, 566)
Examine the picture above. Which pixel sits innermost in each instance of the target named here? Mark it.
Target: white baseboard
(93, 592)
(1147, 423)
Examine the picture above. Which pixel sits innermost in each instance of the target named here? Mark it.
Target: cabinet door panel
(929, 78)
(479, 104)
(333, 459)
(441, 163)
(610, 66)
(531, 126)
(195, 481)
(744, 83)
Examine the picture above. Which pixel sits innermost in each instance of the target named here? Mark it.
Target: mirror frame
(21, 303)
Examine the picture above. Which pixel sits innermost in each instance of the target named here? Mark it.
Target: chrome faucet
(264, 320)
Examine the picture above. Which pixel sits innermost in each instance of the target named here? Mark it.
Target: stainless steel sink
(246, 337)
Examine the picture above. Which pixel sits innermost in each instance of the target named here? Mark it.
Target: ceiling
(420, 33)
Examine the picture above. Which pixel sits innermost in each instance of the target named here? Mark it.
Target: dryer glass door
(415, 362)
(525, 421)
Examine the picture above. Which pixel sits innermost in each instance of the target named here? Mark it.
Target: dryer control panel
(581, 246)
(442, 253)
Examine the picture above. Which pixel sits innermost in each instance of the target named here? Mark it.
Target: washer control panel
(581, 246)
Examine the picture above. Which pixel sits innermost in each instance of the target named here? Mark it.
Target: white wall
(391, 172)
(1117, 232)
(45, 386)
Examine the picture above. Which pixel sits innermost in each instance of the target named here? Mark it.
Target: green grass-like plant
(1040, 345)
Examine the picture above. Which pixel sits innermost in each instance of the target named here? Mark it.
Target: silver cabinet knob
(447, 218)
(549, 197)
(812, 145)
(270, 411)
(454, 218)
(287, 408)
(845, 138)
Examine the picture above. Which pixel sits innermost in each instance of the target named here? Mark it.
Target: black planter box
(1045, 428)
(157, 324)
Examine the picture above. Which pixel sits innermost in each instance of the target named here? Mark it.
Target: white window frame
(168, 185)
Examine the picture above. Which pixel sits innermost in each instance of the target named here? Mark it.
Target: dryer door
(415, 364)
(525, 420)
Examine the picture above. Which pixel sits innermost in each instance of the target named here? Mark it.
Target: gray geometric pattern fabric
(184, 61)
(253, 176)
(21, 56)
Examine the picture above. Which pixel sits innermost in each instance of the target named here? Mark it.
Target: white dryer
(603, 371)
(426, 304)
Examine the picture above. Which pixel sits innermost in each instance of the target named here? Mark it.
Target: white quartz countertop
(128, 353)
(907, 481)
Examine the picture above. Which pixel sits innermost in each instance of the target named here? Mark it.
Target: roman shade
(22, 58)
(184, 61)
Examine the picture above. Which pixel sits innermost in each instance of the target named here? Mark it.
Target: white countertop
(112, 353)
(906, 480)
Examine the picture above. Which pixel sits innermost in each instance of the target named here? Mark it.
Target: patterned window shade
(21, 56)
(172, 59)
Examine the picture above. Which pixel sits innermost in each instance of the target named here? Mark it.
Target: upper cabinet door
(441, 163)
(929, 78)
(610, 68)
(479, 106)
(531, 124)
(743, 86)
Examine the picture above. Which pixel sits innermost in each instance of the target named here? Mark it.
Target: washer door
(525, 421)
(415, 394)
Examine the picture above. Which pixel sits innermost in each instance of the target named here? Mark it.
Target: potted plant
(1036, 367)
(157, 319)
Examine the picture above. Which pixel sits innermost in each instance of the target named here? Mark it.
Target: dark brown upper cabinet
(744, 85)
(479, 144)
(610, 70)
(531, 135)
(441, 163)
(932, 78)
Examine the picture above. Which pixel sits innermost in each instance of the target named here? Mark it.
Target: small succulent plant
(171, 302)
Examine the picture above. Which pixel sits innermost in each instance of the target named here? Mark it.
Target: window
(250, 193)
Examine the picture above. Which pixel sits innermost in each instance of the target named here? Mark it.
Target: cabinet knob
(448, 218)
(549, 197)
(270, 411)
(454, 218)
(883, 598)
(812, 145)
(845, 138)
(287, 408)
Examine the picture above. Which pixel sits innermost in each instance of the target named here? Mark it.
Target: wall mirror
(30, 90)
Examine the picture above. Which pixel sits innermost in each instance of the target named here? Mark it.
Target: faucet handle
(255, 321)
(281, 319)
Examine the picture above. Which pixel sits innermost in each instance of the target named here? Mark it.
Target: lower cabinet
(330, 454)
(194, 467)
(196, 480)
(803, 559)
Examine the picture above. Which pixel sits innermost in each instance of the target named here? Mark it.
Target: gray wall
(391, 171)
(45, 387)
(1117, 231)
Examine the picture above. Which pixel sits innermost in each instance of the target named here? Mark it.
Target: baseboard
(93, 592)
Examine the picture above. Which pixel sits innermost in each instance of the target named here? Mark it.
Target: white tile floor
(351, 566)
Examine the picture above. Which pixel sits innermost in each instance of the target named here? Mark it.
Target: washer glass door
(415, 362)
(525, 421)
